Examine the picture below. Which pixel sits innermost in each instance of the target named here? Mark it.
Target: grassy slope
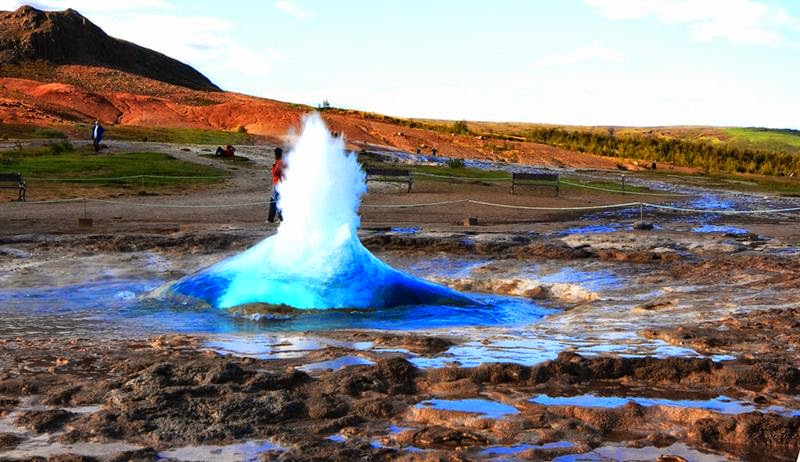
(773, 140)
(49, 164)
(765, 138)
(442, 174)
(129, 133)
(176, 135)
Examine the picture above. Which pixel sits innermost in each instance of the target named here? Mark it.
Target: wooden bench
(390, 175)
(13, 181)
(535, 179)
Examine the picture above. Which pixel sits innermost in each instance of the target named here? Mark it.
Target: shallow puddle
(41, 446)
(721, 404)
(240, 452)
(593, 229)
(719, 229)
(589, 280)
(540, 345)
(495, 451)
(610, 452)
(484, 407)
(336, 364)
(401, 230)
(278, 346)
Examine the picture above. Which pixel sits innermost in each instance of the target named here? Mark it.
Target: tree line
(704, 155)
(709, 157)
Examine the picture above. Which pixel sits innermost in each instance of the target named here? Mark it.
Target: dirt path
(240, 203)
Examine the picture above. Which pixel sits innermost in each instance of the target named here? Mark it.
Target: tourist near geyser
(507, 231)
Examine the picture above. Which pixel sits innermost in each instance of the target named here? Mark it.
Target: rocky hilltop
(66, 37)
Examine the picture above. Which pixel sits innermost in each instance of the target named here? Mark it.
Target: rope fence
(129, 177)
(563, 181)
(415, 174)
(464, 178)
(641, 205)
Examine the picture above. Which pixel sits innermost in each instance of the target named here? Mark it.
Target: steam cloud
(316, 259)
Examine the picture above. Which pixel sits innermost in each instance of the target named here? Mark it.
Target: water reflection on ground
(245, 452)
(722, 404)
(482, 407)
(619, 452)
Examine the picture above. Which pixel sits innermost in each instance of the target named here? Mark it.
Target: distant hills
(66, 37)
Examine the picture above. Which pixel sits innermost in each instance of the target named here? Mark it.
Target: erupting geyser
(315, 260)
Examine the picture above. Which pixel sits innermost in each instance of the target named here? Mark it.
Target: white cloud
(562, 96)
(203, 42)
(11, 5)
(89, 5)
(739, 21)
(292, 9)
(594, 53)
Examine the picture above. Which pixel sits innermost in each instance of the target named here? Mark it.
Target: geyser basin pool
(316, 259)
(102, 307)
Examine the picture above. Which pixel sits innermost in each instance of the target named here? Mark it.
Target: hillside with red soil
(69, 94)
(50, 77)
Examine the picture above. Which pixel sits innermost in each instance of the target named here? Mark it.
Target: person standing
(277, 177)
(97, 135)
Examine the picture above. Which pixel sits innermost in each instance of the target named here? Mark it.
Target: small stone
(9, 441)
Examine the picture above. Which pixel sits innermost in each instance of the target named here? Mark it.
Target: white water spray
(315, 260)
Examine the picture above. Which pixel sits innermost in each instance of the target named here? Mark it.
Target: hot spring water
(315, 260)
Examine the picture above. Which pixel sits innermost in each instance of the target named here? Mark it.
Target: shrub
(455, 162)
(460, 128)
(49, 133)
(60, 147)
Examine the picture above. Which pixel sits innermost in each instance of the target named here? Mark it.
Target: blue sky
(583, 62)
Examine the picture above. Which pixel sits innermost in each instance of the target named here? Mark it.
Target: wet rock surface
(44, 421)
(724, 310)
(9, 441)
(771, 333)
(165, 393)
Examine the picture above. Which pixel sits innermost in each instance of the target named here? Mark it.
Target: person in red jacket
(227, 152)
(277, 177)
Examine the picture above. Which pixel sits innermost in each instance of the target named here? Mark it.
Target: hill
(59, 70)
(66, 37)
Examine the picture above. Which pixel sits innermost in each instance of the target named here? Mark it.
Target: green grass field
(58, 163)
(765, 138)
(460, 172)
(440, 173)
(129, 133)
(19, 131)
(176, 135)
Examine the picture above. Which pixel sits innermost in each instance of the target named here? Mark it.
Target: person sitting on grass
(227, 152)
